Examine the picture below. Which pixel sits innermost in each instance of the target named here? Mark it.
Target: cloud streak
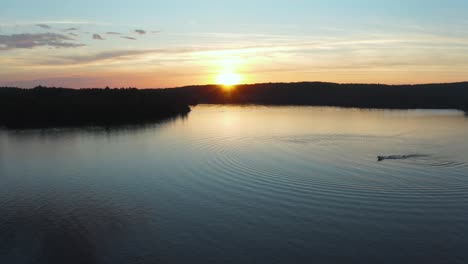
(116, 55)
(133, 54)
(29, 41)
(125, 37)
(140, 31)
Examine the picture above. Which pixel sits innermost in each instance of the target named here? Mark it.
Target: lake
(240, 184)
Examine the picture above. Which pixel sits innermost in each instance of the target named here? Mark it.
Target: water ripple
(246, 167)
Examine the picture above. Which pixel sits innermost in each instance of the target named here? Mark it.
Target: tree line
(42, 106)
(52, 106)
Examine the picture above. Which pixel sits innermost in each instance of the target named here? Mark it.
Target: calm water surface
(233, 184)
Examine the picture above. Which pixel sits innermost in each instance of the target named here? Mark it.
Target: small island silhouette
(44, 107)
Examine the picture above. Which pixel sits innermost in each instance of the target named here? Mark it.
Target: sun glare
(228, 79)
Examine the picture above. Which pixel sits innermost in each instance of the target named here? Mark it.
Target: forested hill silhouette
(44, 107)
(426, 96)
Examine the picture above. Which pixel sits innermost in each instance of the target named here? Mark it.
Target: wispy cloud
(72, 22)
(113, 33)
(119, 55)
(140, 31)
(97, 37)
(72, 29)
(43, 26)
(28, 41)
(51, 24)
(125, 37)
(116, 55)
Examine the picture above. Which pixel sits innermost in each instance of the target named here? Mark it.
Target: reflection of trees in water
(66, 133)
(50, 235)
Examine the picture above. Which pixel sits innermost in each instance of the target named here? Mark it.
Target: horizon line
(243, 84)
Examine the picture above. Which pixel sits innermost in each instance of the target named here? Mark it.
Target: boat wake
(398, 157)
(425, 160)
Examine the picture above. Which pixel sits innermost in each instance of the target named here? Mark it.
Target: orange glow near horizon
(228, 75)
(228, 79)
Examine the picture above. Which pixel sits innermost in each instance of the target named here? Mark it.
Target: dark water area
(240, 184)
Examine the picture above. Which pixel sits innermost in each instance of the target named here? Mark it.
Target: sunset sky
(145, 44)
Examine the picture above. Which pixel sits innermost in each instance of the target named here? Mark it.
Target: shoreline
(62, 107)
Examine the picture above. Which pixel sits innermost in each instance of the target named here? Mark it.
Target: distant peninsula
(423, 96)
(51, 106)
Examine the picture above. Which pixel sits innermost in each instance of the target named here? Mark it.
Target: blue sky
(192, 42)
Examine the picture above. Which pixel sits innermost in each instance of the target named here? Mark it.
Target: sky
(156, 44)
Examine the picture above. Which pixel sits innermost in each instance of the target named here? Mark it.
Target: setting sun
(228, 79)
